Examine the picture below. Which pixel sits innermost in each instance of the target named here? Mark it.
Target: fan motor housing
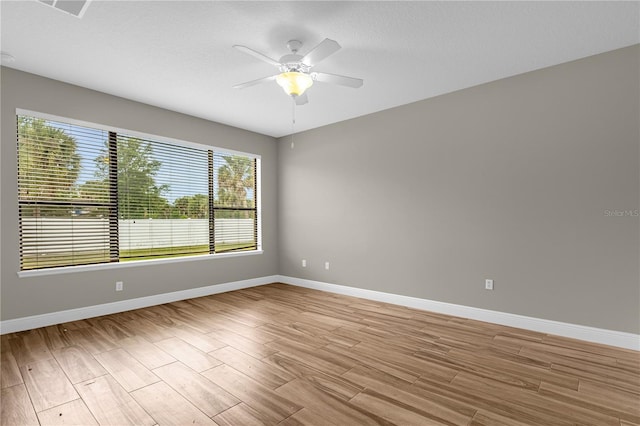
(292, 62)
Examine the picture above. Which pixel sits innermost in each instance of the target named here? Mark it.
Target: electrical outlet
(488, 284)
(304, 263)
(326, 265)
(119, 285)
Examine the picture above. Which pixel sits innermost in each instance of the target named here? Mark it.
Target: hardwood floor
(282, 355)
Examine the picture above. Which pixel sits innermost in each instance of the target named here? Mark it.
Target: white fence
(68, 234)
(154, 233)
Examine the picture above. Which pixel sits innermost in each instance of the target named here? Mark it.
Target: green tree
(49, 164)
(139, 197)
(234, 178)
(94, 190)
(191, 206)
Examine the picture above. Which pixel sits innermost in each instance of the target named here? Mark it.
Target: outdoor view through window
(90, 195)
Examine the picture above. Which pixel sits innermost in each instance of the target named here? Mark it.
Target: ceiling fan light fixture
(294, 83)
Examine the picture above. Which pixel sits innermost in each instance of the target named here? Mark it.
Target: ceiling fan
(295, 70)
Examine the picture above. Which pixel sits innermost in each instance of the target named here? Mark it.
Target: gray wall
(509, 180)
(36, 295)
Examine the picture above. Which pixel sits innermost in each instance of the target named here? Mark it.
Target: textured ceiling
(178, 55)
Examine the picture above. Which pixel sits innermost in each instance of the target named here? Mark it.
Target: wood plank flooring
(283, 355)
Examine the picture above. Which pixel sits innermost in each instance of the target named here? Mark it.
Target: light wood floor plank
(489, 401)
(148, 330)
(598, 373)
(29, 347)
(112, 328)
(319, 333)
(560, 354)
(16, 408)
(410, 395)
(71, 413)
(248, 346)
(333, 384)
(256, 369)
(334, 409)
(189, 355)
(241, 414)
(332, 321)
(75, 325)
(373, 361)
(260, 398)
(9, 371)
(126, 369)
(4, 342)
(55, 337)
(613, 402)
(110, 404)
(93, 340)
(320, 359)
(291, 332)
(406, 362)
(198, 304)
(198, 340)
(405, 340)
(520, 397)
(238, 321)
(306, 417)
(399, 413)
(168, 407)
(47, 384)
(622, 398)
(78, 364)
(148, 354)
(210, 398)
(630, 367)
(176, 317)
(484, 418)
(590, 348)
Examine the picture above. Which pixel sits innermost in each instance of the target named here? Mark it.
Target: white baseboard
(36, 321)
(590, 334)
(581, 332)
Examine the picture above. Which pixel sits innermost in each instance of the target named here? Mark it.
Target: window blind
(64, 211)
(235, 203)
(163, 199)
(95, 196)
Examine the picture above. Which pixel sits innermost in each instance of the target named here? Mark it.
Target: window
(89, 195)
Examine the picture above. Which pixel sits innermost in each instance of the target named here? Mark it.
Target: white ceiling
(178, 55)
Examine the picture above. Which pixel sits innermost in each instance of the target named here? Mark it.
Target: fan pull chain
(293, 119)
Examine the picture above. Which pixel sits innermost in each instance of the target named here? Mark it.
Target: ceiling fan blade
(254, 82)
(302, 99)
(257, 55)
(326, 48)
(337, 79)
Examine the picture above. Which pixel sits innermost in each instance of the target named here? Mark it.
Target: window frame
(158, 138)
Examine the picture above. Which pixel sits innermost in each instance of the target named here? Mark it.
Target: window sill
(107, 266)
